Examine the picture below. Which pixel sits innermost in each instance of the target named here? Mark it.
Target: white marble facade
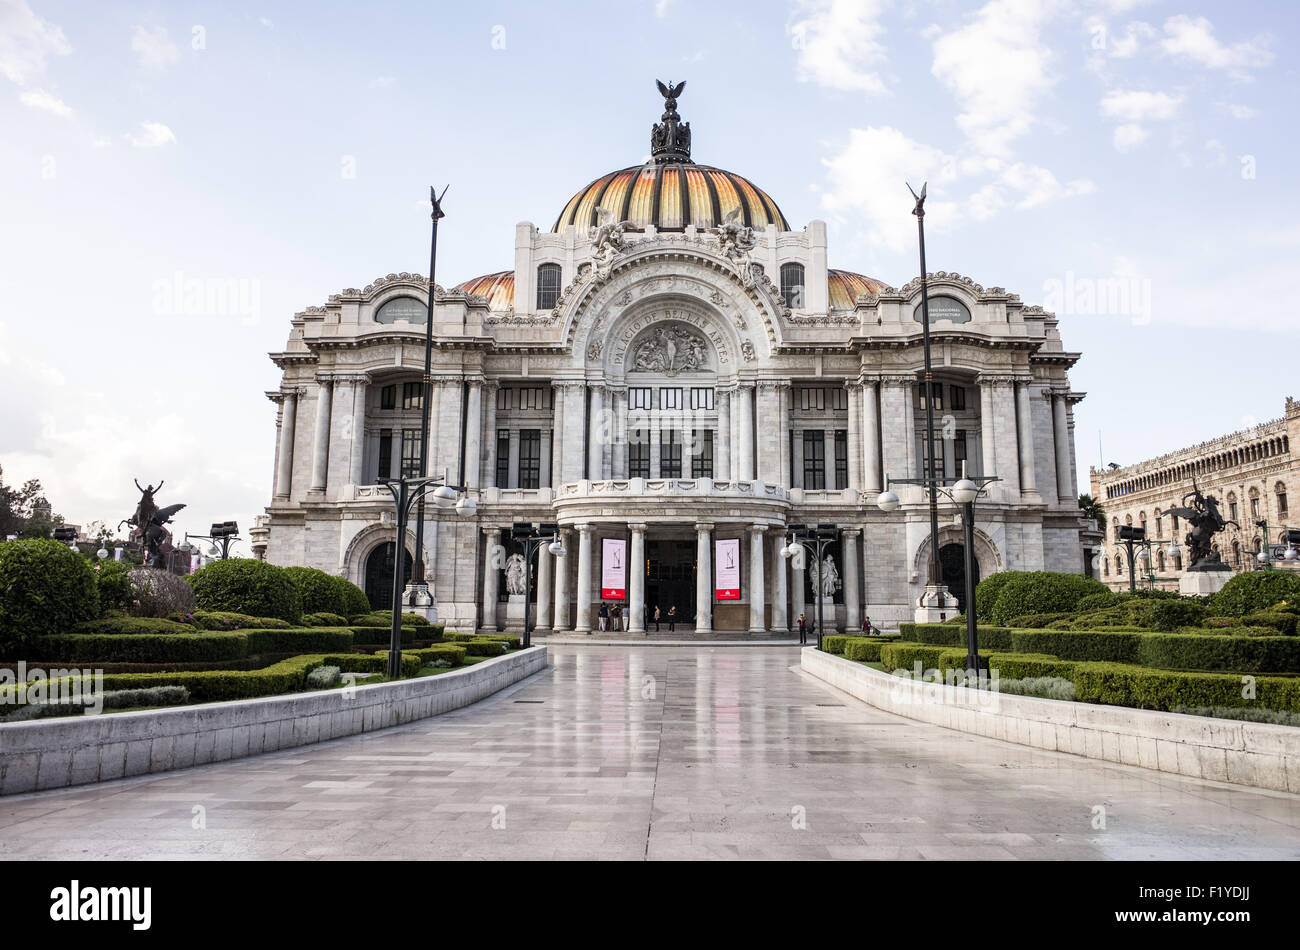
(681, 383)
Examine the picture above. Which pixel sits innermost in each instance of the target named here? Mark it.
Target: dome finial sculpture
(670, 138)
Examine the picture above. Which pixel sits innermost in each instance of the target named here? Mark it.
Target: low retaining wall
(1221, 750)
(55, 753)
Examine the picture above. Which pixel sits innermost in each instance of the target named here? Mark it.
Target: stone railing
(674, 487)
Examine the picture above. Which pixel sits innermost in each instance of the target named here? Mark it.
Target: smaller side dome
(844, 287)
(498, 288)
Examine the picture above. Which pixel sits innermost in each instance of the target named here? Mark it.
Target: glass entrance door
(670, 581)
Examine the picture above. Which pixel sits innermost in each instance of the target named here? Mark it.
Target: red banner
(727, 569)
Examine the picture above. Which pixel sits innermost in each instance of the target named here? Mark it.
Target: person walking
(803, 629)
(656, 618)
(672, 619)
(603, 615)
(616, 617)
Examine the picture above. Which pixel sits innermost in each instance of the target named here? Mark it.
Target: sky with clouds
(1127, 163)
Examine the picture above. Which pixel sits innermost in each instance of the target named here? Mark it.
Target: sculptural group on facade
(670, 350)
(515, 568)
(824, 577)
(736, 240)
(607, 242)
(150, 524)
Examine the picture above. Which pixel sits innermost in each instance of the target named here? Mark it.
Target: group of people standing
(866, 628)
(611, 618)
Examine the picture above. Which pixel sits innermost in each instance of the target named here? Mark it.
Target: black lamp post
(963, 492)
(407, 491)
(224, 533)
(814, 542)
(928, 457)
(417, 570)
(533, 536)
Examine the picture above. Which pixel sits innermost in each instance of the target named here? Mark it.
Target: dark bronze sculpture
(1206, 522)
(149, 522)
(670, 138)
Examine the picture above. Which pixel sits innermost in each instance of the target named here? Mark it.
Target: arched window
(1280, 490)
(548, 286)
(1232, 506)
(1160, 561)
(1119, 566)
(1142, 521)
(792, 286)
(1115, 524)
(1236, 553)
(402, 308)
(1254, 502)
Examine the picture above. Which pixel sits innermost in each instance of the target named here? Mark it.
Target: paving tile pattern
(660, 753)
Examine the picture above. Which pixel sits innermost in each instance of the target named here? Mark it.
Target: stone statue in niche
(670, 350)
(607, 242)
(736, 241)
(824, 577)
(515, 574)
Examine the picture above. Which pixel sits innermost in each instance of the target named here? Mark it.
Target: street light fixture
(533, 536)
(815, 542)
(963, 492)
(224, 533)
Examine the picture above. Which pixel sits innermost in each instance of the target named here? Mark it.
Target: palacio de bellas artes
(770, 431)
(673, 366)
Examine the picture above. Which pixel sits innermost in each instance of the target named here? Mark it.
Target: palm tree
(1093, 509)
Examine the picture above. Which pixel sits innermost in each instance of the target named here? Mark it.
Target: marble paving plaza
(636, 752)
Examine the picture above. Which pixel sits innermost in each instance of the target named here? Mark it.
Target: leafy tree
(25, 512)
(1092, 508)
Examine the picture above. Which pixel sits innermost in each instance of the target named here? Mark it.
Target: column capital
(772, 383)
(759, 529)
(996, 379)
(569, 383)
(351, 377)
(585, 528)
(850, 532)
(702, 527)
(637, 528)
(325, 379)
(898, 379)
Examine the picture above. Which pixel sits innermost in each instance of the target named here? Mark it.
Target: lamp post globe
(1262, 557)
(556, 547)
(964, 492)
(1142, 555)
(102, 553)
(887, 500)
(444, 497)
(466, 507)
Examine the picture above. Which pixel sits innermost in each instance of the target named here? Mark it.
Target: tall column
(636, 580)
(473, 433)
(780, 587)
(897, 426)
(489, 473)
(852, 578)
(582, 597)
(746, 412)
(1025, 433)
(545, 587)
(597, 435)
(785, 393)
(572, 445)
(512, 461)
(561, 621)
(988, 429)
(871, 480)
(437, 454)
(558, 395)
(722, 451)
(757, 597)
(288, 416)
(619, 456)
(321, 446)
(547, 461)
(1061, 430)
(703, 577)
(356, 470)
(769, 449)
(855, 436)
(491, 577)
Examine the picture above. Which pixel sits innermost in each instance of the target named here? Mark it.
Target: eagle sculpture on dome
(670, 92)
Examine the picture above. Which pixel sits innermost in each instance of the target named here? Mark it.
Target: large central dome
(671, 191)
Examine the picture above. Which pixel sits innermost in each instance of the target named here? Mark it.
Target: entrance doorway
(379, 575)
(952, 562)
(670, 580)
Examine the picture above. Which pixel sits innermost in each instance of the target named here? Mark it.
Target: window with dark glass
(532, 397)
(412, 395)
(837, 398)
(670, 397)
(938, 395)
(548, 286)
(812, 397)
(957, 398)
(814, 459)
(792, 285)
(504, 398)
(402, 308)
(530, 458)
(638, 454)
(702, 453)
(388, 397)
(702, 397)
(385, 453)
(503, 458)
(841, 458)
(670, 454)
(1281, 502)
(411, 453)
(958, 450)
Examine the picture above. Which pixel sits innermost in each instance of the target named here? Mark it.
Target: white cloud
(382, 82)
(1137, 106)
(266, 23)
(45, 102)
(1242, 112)
(661, 8)
(998, 67)
(1129, 136)
(1127, 45)
(152, 47)
(153, 135)
(1218, 154)
(1193, 40)
(839, 43)
(26, 40)
(102, 141)
(1038, 186)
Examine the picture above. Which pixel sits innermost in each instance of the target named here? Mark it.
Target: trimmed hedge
(1041, 592)
(1118, 685)
(45, 588)
(299, 640)
(987, 591)
(1019, 666)
(1286, 624)
(1230, 653)
(247, 586)
(323, 619)
(114, 588)
(140, 648)
(318, 591)
(353, 598)
(941, 634)
(486, 647)
(384, 618)
(1253, 591)
(228, 620)
(287, 676)
(834, 643)
(133, 625)
(903, 655)
(452, 653)
(381, 634)
(1099, 645)
(863, 649)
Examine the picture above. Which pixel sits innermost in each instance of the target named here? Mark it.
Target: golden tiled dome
(670, 196)
(498, 288)
(844, 287)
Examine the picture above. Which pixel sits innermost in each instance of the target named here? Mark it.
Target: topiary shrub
(987, 591)
(247, 586)
(354, 599)
(1097, 601)
(45, 588)
(132, 625)
(1255, 591)
(1172, 614)
(1281, 621)
(226, 620)
(156, 593)
(114, 588)
(1040, 592)
(318, 590)
(323, 619)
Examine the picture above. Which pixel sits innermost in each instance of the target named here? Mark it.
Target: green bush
(140, 647)
(940, 634)
(1044, 687)
(353, 598)
(111, 699)
(904, 656)
(1283, 623)
(452, 654)
(45, 588)
(1038, 592)
(247, 586)
(300, 640)
(287, 676)
(323, 619)
(1172, 614)
(323, 677)
(864, 649)
(1252, 591)
(1118, 685)
(384, 618)
(114, 588)
(1097, 601)
(157, 593)
(411, 663)
(1016, 666)
(987, 591)
(381, 634)
(132, 625)
(834, 643)
(1041, 620)
(485, 647)
(1230, 653)
(1094, 645)
(318, 590)
(228, 620)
